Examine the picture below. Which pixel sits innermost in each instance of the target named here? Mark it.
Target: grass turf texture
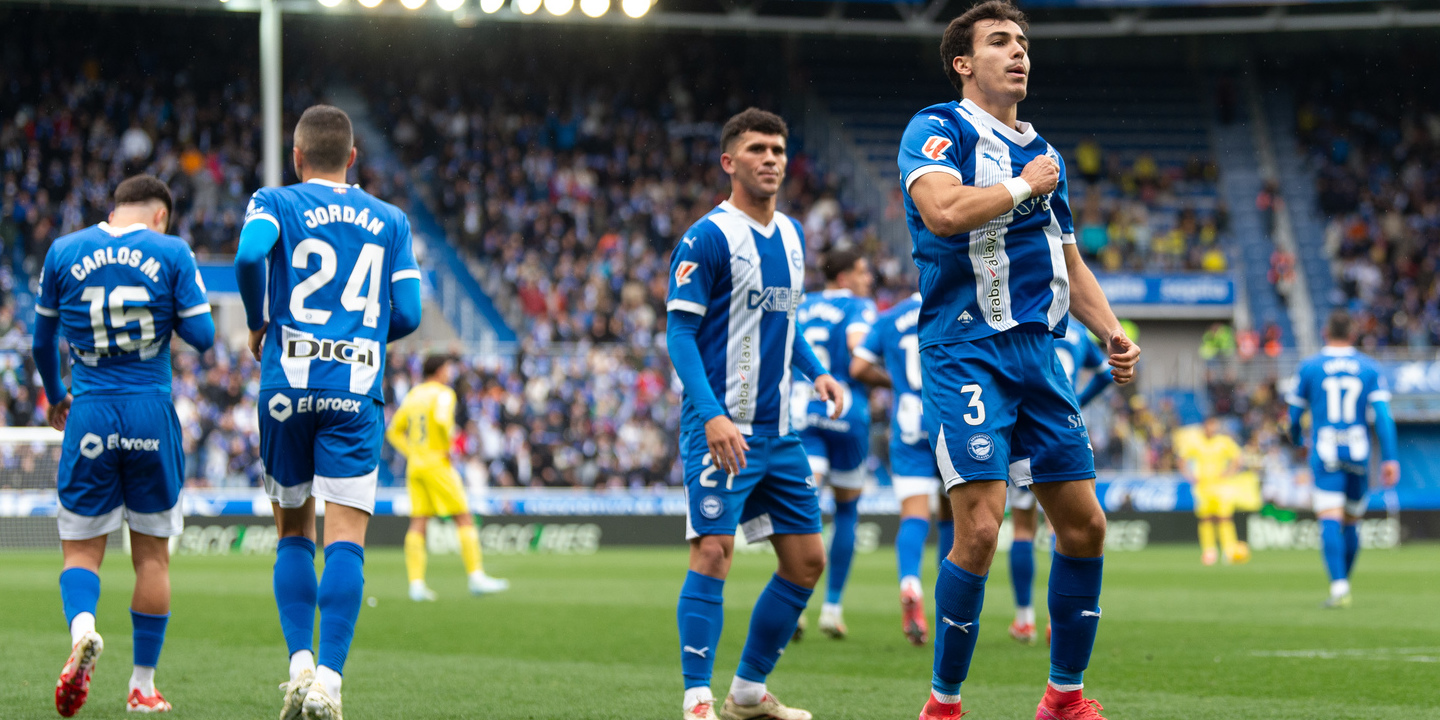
(594, 637)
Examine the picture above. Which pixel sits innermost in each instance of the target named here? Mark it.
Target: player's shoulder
(67, 242)
(783, 219)
(941, 116)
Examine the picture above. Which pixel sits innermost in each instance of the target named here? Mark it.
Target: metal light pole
(270, 90)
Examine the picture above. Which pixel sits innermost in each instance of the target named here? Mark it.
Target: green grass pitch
(594, 637)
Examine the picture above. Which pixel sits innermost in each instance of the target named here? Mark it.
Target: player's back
(1339, 385)
(900, 349)
(1077, 352)
(329, 285)
(426, 417)
(826, 319)
(119, 293)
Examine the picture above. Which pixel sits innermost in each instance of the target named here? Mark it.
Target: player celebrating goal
(422, 431)
(986, 202)
(736, 280)
(1337, 386)
(116, 291)
(339, 259)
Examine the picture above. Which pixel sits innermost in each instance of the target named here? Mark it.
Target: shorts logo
(1076, 421)
(114, 442)
(935, 147)
(684, 271)
(91, 446)
(711, 506)
(280, 408)
(980, 446)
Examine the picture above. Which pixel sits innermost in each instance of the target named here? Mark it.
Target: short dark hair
(433, 364)
(325, 136)
(959, 37)
(761, 121)
(838, 261)
(1339, 326)
(142, 189)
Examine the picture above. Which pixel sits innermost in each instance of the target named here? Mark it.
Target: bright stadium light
(527, 7)
(449, 5)
(635, 8)
(330, 3)
(369, 3)
(594, 8)
(412, 4)
(491, 6)
(559, 7)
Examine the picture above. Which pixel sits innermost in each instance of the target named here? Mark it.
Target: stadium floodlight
(369, 3)
(329, 3)
(412, 4)
(527, 7)
(491, 6)
(594, 8)
(449, 5)
(559, 7)
(635, 8)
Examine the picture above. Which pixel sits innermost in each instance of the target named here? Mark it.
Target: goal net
(29, 461)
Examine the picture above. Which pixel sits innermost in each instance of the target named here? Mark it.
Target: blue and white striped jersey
(746, 281)
(119, 292)
(826, 320)
(894, 344)
(1338, 386)
(1078, 352)
(328, 289)
(1009, 271)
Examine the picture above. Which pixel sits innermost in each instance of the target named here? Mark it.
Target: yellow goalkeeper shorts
(435, 491)
(1215, 500)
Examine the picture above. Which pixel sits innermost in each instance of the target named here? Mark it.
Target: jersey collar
(766, 230)
(836, 292)
(1332, 350)
(117, 232)
(328, 183)
(915, 297)
(1018, 137)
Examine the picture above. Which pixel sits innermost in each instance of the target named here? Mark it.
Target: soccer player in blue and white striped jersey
(736, 281)
(986, 200)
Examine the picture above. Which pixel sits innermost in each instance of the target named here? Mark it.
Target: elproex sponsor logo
(341, 351)
(281, 407)
(91, 445)
(989, 257)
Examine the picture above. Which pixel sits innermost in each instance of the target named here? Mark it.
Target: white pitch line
(1422, 655)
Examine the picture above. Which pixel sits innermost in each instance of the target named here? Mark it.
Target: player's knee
(1083, 535)
(710, 555)
(980, 539)
(804, 568)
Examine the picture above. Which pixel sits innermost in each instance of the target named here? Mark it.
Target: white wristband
(1019, 190)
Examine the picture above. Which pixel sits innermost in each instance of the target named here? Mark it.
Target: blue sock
(1352, 546)
(79, 593)
(842, 548)
(910, 545)
(947, 540)
(341, 589)
(1022, 571)
(1332, 546)
(1074, 615)
(149, 634)
(295, 591)
(700, 613)
(959, 595)
(772, 623)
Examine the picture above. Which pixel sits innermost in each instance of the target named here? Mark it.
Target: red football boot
(1071, 705)
(912, 613)
(73, 688)
(936, 710)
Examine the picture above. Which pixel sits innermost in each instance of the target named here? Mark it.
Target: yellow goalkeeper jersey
(1212, 457)
(424, 424)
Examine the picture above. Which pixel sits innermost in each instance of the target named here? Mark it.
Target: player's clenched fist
(727, 444)
(1042, 174)
(1124, 353)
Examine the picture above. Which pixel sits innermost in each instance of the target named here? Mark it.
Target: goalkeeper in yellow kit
(1211, 462)
(422, 430)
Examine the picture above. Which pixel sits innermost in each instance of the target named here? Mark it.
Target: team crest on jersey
(980, 446)
(684, 271)
(935, 147)
(966, 318)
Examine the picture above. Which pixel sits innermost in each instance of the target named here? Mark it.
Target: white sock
(301, 661)
(1338, 588)
(417, 586)
(830, 608)
(947, 699)
(910, 582)
(143, 679)
(747, 692)
(696, 695)
(477, 576)
(83, 623)
(330, 679)
(1025, 615)
(1067, 688)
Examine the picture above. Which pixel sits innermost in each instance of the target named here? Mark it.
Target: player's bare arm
(869, 373)
(1088, 304)
(827, 388)
(950, 207)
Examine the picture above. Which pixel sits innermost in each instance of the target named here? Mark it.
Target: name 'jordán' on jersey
(1009, 271)
(328, 288)
(119, 292)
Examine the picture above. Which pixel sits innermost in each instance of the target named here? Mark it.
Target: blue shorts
(304, 433)
(838, 448)
(774, 494)
(121, 454)
(1340, 488)
(1000, 397)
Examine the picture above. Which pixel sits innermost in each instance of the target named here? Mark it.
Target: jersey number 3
(366, 273)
